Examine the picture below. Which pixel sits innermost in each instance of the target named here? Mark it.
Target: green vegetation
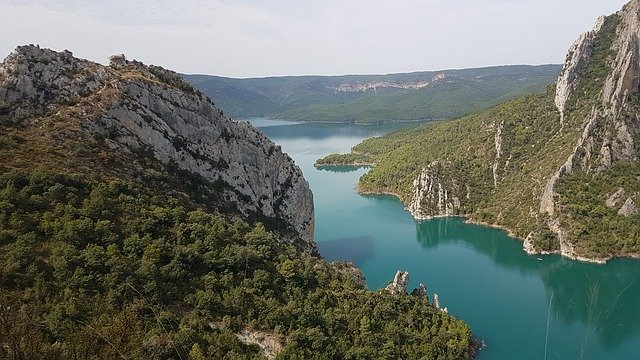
(314, 98)
(461, 156)
(599, 229)
(108, 269)
(344, 159)
(467, 147)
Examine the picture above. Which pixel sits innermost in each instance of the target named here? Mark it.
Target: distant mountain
(560, 170)
(375, 98)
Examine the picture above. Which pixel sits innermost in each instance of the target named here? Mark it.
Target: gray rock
(420, 291)
(577, 59)
(398, 286)
(629, 208)
(435, 192)
(613, 200)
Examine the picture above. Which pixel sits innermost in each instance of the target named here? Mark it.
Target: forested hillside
(374, 98)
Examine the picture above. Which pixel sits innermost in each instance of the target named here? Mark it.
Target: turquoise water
(522, 306)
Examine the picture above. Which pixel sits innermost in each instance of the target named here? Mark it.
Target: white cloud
(277, 37)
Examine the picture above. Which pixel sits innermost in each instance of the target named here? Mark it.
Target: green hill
(375, 98)
(137, 222)
(559, 170)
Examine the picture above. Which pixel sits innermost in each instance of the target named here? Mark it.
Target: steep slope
(559, 170)
(83, 115)
(375, 98)
(137, 222)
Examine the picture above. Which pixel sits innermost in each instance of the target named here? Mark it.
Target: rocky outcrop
(629, 208)
(577, 59)
(150, 110)
(420, 291)
(435, 193)
(375, 85)
(436, 303)
(398, 286)
(615, 198)
(498, 146)
(270, 345)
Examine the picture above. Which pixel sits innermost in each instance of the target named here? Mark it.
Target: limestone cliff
(576, 61)
(608, 132)
(138, 121)
(436, 193)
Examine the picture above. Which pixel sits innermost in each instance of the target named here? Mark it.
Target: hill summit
(146, 124)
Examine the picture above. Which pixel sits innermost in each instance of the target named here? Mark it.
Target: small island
(350, 159)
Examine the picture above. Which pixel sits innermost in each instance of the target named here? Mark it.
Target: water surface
(524, 307)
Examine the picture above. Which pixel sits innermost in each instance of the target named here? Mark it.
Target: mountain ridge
(422, 95)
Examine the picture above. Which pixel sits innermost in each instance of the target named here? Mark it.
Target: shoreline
(468, 220)
(319, 166)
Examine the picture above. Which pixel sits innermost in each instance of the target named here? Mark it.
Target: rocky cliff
(436, 193)
(609, 129)
(143, 122)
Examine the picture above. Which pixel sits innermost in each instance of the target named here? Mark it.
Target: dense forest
(108, 270)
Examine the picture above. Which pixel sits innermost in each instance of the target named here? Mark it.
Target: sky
(255, 38)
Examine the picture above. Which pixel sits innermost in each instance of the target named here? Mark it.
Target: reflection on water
(607, 298)
(486, 240)
(604, 298)
(357, 249)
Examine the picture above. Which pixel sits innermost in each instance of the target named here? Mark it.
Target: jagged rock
(420, 291)
(117, 60)
(398, 286)
(436, 301)
(150, 110)
(613, 200)
(609, 120)
(434, 193)
(629, 208)
(270, 345)
(577, 59)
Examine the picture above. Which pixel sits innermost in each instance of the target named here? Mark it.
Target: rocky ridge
(128, 108)
(611, 108)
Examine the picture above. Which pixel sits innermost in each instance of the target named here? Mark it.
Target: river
(523, 307)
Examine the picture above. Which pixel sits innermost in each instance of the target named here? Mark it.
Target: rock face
(434, 193)
(577, 59)
(629, 208)
(420, 291)
(398, 286)
(147, 109)
(612, 125)
(270, 345)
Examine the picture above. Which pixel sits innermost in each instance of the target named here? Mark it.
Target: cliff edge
(145, 123)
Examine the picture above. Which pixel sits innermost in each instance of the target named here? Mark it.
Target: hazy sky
(244, 38)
